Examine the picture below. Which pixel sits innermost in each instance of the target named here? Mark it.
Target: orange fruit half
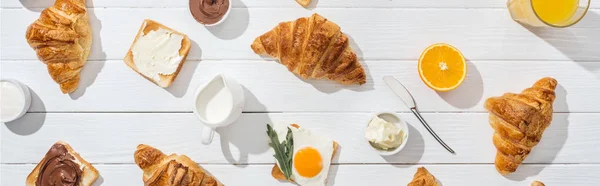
(442, 67)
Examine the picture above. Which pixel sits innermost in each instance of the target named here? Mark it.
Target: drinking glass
(548, 13)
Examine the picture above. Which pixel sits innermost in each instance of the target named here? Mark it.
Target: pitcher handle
(207, 135)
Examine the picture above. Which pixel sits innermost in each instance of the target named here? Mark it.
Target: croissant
(304, 3)
(312, 47)
(519, 120)
(423, 178)
(62, 39)
(537, 183)
(173, 170)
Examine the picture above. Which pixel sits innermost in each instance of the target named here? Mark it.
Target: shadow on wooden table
(313, 4)
(412, 152)
(249, 139)
(468, 94)
(91, 69)
(234, 25)
(552, 142)
(578, 42)
(182, 83)
(36, 5)
(30, 122)
(99, 181)
(335, 165)
(439, 182)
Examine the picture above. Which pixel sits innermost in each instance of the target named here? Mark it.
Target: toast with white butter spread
(158, 53)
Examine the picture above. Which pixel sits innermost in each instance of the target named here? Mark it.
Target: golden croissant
(537, 183)
(519, 120)
(312, 47)
(62, 39)
(173, 170)
(423, 178)
(304, 3)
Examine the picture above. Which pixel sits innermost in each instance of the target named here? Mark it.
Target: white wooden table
(115, 109)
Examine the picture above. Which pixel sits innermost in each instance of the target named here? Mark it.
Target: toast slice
(160, 169)
(150, 25)
(276, 171)
(304, 3)
(89, 174)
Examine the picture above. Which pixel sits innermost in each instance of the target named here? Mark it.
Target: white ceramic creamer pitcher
(218, 103)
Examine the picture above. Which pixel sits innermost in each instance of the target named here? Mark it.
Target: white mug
(218, 103)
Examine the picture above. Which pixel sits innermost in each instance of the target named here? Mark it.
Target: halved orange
(442, 67)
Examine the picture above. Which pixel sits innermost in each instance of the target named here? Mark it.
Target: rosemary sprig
(283, 150)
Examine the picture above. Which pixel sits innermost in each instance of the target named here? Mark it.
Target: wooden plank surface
(111, 86)
(572, 175)
(384, 34)
(113, 137)
(115, 109)
(316, 4)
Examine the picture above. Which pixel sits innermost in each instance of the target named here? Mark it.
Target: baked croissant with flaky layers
(423, 178)
(173, 170)
(312, 47)
(519, 120)
(62, 39)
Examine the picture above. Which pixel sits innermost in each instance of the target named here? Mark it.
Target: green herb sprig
(283, 150)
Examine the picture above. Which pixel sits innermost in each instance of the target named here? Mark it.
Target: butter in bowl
(387, 133)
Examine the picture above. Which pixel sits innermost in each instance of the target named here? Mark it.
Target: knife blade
(402, 92)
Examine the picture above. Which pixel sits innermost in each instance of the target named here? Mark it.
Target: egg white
(305, 138)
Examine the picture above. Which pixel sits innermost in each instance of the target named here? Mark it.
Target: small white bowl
(27, 97)
(395, 119)
(222, 18)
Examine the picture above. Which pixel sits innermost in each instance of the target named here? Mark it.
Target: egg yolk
(308, 162)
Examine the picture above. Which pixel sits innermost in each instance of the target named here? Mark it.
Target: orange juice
(541, 13)
(555, 11)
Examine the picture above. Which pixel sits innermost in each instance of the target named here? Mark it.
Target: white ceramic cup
(27, 97)
(237, 97)
(396, 120)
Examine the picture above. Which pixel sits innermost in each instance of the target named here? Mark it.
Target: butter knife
(409, 101)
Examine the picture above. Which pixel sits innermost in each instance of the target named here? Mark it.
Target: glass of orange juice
(553, 13)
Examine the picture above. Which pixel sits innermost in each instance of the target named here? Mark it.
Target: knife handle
(416, 112)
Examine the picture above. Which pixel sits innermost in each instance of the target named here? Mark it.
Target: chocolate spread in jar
(58, 168)
(209, 11)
